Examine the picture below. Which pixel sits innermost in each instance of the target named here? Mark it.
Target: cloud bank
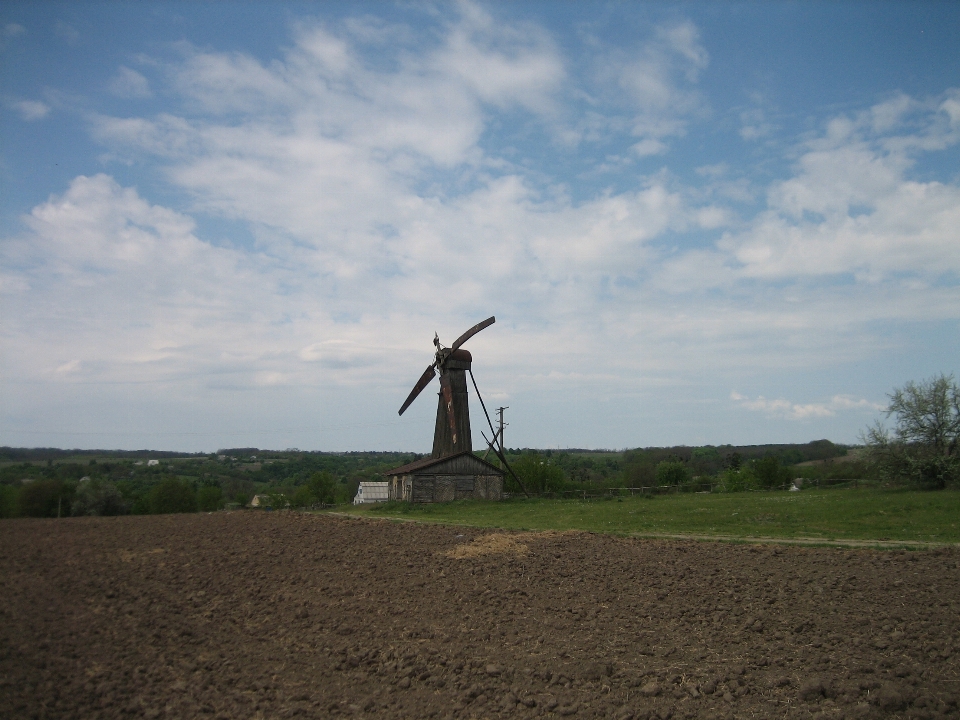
(384, 184)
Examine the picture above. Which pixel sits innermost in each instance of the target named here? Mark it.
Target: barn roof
(451, 463)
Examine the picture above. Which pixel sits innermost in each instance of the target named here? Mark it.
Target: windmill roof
(430, 462)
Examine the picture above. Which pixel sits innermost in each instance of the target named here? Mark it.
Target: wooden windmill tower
(451, 435)
(452, 472)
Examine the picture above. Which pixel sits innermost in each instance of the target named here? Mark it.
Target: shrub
(736, 480)
(209, 498)
(98, 497)
(45, 498)
(348, 490)
(302, 497)
(277, 500)
(537, 473)
(673, 472)
(172, 496)
(769, 474)
(323, 487)
(9, 500)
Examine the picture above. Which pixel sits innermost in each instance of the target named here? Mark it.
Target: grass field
(835, 514)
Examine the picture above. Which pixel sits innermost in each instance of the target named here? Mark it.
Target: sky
(236, 224)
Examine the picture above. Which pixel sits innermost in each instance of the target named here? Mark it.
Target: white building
(371, 492)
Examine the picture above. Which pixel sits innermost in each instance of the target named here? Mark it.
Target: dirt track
(272, 615)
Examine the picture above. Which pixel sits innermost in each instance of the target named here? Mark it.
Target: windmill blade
(447, 390)
(424, 380)
(472, 331)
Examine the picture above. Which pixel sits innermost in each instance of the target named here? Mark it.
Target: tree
(924, 447)
(323, 487)
(46, 498)
(537, 473)
(302, 497)
(734, 461)
(769, 473)
(172, 496)
(672, 472)
(9, 499)
(277, 500)
(98, 497)
(209, 498)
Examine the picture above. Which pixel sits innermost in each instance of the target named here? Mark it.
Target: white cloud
(130, 84)
(754, 125)
(655, 84)
(370, 177)
(68, 367)
(506, 66)
(649, 146)
(793, 411)
(31, 109)
(381, 202)
(123, 290)
(852, 206)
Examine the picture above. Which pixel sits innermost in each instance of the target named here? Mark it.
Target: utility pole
(502, 425)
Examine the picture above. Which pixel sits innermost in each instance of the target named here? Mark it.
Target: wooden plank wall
(444, 488)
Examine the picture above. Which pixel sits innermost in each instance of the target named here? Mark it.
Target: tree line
(51, 484)
(919, 450)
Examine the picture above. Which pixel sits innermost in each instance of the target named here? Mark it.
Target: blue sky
(239, 224)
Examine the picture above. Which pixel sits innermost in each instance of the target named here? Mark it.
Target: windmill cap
(458, 360)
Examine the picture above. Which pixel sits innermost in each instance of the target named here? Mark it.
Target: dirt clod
(812, 689)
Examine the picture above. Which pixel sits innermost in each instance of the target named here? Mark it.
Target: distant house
(371, 492)
(454, 477)
(260, 501)
(152, 462)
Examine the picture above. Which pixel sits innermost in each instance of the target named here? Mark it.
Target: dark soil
(275, 615)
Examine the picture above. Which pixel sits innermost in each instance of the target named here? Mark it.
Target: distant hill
(9, 454)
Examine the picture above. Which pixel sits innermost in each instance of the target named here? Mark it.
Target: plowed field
(275, 615)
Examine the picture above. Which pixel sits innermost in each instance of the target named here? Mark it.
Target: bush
(172, 496)
(537, 473)
(277, 500)
(209, 498)
(769, 474)
(9, 501)
(98, 497)
(347, 490)
(671, 473)
(302, 497)
(737, 480)
(323, 487)
(45, 498)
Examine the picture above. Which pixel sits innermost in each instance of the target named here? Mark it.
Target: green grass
(847, 514)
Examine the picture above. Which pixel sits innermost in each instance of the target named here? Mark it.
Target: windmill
(442, 476)
(451, 434)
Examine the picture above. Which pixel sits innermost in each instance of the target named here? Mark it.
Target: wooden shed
(455, 477)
